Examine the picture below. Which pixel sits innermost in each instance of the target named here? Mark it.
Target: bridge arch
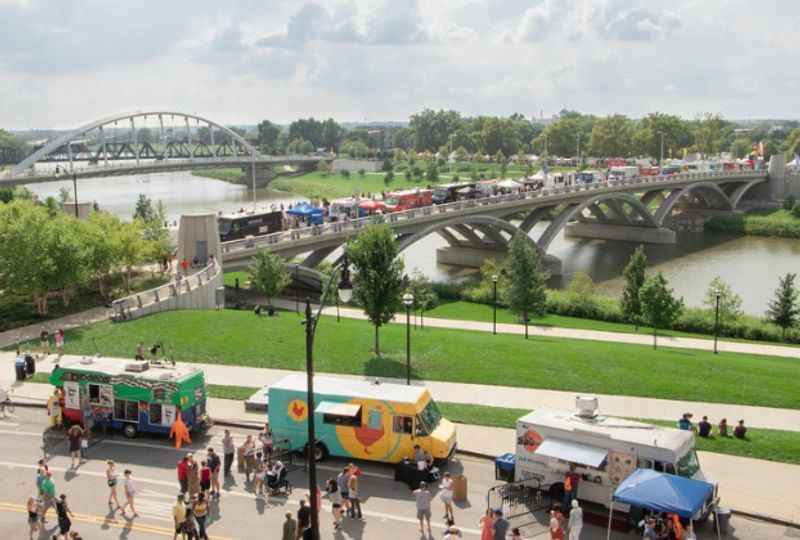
(574, 210)
(710, 192)
(81, 132)
(737, 194)
(478, 222)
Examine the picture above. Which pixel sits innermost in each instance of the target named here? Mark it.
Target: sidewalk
(576, 333)
(25, 333)
(747, 485)
(500, 396)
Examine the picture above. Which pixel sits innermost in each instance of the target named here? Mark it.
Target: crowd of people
(705, 429)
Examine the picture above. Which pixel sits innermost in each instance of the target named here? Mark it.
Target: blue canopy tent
(661, 492)
(308, 212)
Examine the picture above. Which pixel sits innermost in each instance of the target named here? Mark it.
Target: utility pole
(579, 149)
(661, 159)
(253, 175)
(75, 192)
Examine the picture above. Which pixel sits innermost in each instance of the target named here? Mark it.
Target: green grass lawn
(229, 278)
(760, 222)
(241, 338)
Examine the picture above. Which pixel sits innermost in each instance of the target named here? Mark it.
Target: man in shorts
(423, 497)
(214, 464)
(75, 436)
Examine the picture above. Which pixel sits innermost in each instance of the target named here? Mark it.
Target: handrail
(414, 213)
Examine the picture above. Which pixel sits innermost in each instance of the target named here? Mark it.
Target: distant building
(84, 209)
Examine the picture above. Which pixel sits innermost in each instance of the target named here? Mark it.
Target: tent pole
(716, 520)
(610, 514)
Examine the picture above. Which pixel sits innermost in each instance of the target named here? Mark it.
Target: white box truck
(604, 451)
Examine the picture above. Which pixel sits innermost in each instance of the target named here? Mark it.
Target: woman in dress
(112, 476)
(447, 496)
(64, 513)
(556, 531)
(200, 510)
(485, 524)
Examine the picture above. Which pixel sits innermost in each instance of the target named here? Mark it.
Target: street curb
(469, 453)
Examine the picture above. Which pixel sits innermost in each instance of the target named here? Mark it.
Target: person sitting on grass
(685, 423)
(723, 428)
(704, 427)
(740, 431)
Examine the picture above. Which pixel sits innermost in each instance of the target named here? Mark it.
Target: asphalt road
(389, 511)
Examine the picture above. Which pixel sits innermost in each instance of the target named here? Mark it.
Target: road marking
(105, 522)
(9, 424)
(246, 495)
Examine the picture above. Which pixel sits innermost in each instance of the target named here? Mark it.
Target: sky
(64, 63)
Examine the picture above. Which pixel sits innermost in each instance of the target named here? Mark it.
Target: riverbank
(541, 362)
(778, 223)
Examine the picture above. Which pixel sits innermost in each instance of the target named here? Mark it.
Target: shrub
(796, 210)
(361, 172)
(387, 179)
(789, 203)
(345, 173)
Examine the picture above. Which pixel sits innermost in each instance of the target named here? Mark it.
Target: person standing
(500, 526)
(332, 488)
(205, 478)
(423, 500)
(111, 479)
(571, 481)
(575, 521)
(59, 339)
(130, 493)
(190, 525)
(48, 495)
(75, 436)
(44, 341)
(265, 437)
(183, 473)
(64, 513)
(193, 477)
(249, 454)
(556, 532)
(214, 465)
(33, 517)
(228, 451)
(303, 519)
(54, 409)
(344, 490)
(179, 517)
(289, 528)
(446, 495)
(200, 510)
(486, 523)
(41, 474)
(352, 488)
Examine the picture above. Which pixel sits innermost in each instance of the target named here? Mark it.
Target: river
(751, 265)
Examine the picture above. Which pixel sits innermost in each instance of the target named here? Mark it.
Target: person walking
(179, 517)
(48, 495)
(214, 465)
(228, 451)
(575, 523)
(41, 474)
(183, 473)
(344, 490)
(556, 532)
(446, 495)
(423, 500)
(33, 517)
(192, 477)
(200, 510)
(486, 523)
(64, 514)
(332, 489)
(352, 488)
(190, 525)
(75, 436)
(289, 528)
(130, 493)
(111, 479)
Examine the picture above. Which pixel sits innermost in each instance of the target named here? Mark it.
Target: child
(130, 492)
(332, 488)
(515, 534)
(205, 477)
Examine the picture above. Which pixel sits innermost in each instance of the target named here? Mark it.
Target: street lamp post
(661, 159)
(716, 323)
(345, 293)
(75, 192)
(408, 301)
(494, 305)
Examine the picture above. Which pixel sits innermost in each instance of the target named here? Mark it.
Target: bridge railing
(126, 308)
(335, 227)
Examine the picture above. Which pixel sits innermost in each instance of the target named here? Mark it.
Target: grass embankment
(241, 338)
(17, 311)
(776, 222)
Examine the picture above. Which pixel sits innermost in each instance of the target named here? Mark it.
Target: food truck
(447, 193)
(398, 201)
(360, 419)
(130, 395)
(604, 450)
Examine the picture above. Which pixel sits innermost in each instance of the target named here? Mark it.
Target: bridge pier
(472, 257)
(264, 175)
(625, 233)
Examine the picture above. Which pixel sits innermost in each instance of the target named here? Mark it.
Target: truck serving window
(402, 424)
(340, 420)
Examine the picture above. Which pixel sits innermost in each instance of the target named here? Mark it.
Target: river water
(751, 265)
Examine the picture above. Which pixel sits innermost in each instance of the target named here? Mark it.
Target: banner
(72, 399)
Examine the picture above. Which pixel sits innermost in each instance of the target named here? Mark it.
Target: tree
(66, 246)
(132, 250)
(101, 253)
(431, 129)
(378, 275)
(432, 174)
(562, 135)
(299, 146)
(12, 148)
(730, 303)
(712, 134)
(634, 279)
(659, 307)
(388, 177)
(526, 291)
(144, 210)
(647, 138)
(268, 136)
(268, 275)
(783, 309)
(332, 134)
(307, 129)
(612, 136)
(424, 298)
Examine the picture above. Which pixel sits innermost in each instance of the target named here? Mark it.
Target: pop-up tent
(308, 212)
(660, 492)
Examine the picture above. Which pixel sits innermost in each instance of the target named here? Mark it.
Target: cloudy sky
(65, 62)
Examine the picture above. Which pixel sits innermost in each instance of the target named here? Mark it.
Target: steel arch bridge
(90, 143)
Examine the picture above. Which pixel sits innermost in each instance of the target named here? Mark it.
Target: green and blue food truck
(130, 395)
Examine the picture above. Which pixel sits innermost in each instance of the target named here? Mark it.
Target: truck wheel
(130, 431)
(320, 452)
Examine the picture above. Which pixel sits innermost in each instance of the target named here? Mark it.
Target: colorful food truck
(603, 450)
(130, 395)
(399, 201)
(359, 419)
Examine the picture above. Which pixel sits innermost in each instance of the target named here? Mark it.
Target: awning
(339, 409)
(583, 454)
(646, 488)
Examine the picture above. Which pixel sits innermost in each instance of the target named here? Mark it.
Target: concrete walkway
(503, 396)
(24, 333)
(748, 485)
(576, 333)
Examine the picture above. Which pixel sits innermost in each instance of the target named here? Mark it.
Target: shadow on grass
(386, 366)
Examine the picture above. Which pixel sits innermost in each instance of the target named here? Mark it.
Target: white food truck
(604, 450)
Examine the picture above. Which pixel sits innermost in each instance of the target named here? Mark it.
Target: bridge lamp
(716, 321)
(494, 304)
(408, 301)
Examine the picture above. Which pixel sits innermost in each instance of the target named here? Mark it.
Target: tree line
(48, 253)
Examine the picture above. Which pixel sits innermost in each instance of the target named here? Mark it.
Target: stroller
(279, 485)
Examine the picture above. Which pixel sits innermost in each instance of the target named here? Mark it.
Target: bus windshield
(224, 226)
(688, 464)
(430, 416)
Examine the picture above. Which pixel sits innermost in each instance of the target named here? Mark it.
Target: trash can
(19, 368)
(30, 364)
(723, 517)
(459, 488)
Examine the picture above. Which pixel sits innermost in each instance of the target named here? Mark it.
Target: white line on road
(9, 424)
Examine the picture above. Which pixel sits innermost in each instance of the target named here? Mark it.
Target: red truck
(399, 201)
